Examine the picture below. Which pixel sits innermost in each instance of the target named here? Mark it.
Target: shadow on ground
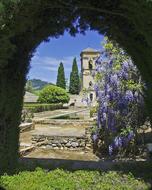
(140, 169)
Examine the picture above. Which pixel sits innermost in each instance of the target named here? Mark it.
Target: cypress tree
(74, 79)
(61, 77)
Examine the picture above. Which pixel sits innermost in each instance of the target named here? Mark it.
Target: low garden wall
(60, 122)
(65, 142)
(60, 142)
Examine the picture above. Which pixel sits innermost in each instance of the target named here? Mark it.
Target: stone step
(46, 153)
(26, 127)
(27, 150)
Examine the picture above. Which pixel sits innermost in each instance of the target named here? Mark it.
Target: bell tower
(88, 58)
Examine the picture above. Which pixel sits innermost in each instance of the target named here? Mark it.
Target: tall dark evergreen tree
(61, 77)
(74, 79)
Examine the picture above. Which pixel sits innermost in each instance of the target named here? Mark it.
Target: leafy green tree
(53, 94)
(61, 77)
(74, 79)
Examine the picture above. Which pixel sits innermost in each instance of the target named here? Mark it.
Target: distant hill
(38, 84)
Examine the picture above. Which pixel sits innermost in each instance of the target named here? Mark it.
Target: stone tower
(88, 57)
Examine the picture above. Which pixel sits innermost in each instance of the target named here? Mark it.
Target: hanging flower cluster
(119, 93)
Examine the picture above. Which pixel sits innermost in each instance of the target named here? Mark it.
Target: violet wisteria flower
(110, 149)
(94, 137)
(129, 95)
(116, 97)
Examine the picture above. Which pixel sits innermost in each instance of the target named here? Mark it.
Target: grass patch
(64, 180)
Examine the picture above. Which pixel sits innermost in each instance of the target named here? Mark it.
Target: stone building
(30, 98)
(88, 57)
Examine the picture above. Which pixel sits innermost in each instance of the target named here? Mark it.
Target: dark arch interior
(25, 24)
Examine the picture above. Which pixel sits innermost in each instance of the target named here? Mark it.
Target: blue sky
(44, 64)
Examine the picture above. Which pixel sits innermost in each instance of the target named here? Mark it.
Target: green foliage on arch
(24, 24)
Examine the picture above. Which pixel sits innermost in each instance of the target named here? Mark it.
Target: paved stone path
(70, 113)
(55, 113)
(60, 154)
(59, 131)
(25, 138)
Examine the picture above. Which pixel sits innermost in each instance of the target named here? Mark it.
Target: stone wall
(64, 142)
(61, 142)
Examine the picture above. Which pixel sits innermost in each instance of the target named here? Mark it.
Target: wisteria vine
(120, 98)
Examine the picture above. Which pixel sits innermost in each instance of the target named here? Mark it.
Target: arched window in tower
(91, 97)
(90, 84)
(90, 65)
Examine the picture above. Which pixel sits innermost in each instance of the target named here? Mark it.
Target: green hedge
(53, 94)
(78, 180)
(42, 107)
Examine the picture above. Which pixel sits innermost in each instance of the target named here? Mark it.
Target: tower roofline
(89, 50)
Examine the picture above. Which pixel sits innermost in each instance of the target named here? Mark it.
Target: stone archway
(24, 24)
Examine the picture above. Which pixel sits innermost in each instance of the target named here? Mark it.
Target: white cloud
(45, 68)
(52, 63)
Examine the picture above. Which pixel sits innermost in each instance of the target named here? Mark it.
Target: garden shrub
(53, 94)
(64, 180)
(34, 108)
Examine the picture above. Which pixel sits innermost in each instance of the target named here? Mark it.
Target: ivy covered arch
(24, 24)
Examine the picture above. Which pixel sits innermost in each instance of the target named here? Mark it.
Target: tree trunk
(12, 82)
